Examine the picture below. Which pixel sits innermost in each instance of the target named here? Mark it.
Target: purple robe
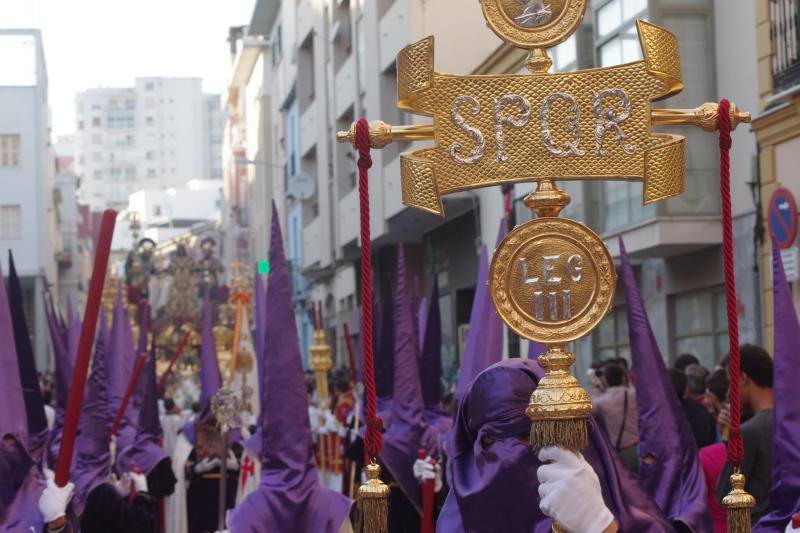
(785, 493)
(496, 489)
(672, 475)
(289, 497)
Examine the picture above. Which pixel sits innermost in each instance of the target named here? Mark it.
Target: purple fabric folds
(93, 455)
(29, 376)
(671, 471)
(484, 345)
(121, 360)
(495, 488)
(408, 431)
(785, 493)
(289, 497)
(146, 452)
(20, 482)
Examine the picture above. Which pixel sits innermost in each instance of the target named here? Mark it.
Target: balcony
(308, 130)
(314, 245)
(349, 218)
(394, 32)
(305, 19)
(346, 86)
(392, 188)
(785, 44)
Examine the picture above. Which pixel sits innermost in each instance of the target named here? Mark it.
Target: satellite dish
(302, 186)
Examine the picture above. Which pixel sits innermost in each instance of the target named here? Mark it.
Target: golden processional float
(552, 279)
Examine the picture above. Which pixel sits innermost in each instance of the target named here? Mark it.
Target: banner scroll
(590, 124)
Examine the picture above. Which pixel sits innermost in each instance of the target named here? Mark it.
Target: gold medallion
(534, 23)
(552, 280)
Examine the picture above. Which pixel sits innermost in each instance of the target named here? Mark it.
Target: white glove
(139, 481)
(206, 465)
(570, 492)
(426, 470)
(232, 463)
(331, 423)
(54, 500)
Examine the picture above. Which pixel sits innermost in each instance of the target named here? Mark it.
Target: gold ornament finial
(373, 501)
(738, 504)
(559, 406)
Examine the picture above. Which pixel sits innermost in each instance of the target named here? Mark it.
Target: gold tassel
(738, 504)
(559, 406)
(373, 501)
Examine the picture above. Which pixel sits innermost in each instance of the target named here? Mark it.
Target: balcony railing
(785, 45)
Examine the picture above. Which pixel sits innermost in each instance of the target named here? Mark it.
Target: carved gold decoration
(738, 505)
(552, 280)
(516, 21)
(321, 363)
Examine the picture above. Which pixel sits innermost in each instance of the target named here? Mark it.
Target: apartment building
(307, 68)
(777, 126)
(27, 222)
(160, 133)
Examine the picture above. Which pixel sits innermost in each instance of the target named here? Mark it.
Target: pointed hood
(260, 296)
(484, 345)
(289, 497)
(674, 478)
(15, 463)
(146, 452)
(121, 362)
(29, 376)
(407, 432)
(430, 360)
(93, 458)
(384, 357)
(210, 377)
(60, 337)
(13, 420)
(143, 320)
(785, 494)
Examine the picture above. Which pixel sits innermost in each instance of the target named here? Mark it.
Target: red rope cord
(735, 443)
(373, 439)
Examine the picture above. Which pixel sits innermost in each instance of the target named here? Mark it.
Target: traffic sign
(783, 218)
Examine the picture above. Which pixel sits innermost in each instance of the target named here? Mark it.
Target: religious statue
(209, 267)
(182, 302)
(138, 268)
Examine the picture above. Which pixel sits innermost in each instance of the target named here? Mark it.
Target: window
(151, 173)
(616, 39)
(565, 55)
(701, 325)
(97, 174)
(150, 155)
(9, 150)
(148, 86)
(149, 121)
(130, 172)
(10, 222)
(611, 336)
(95, 121)
(157, 211)
(277, 47)
(130, 104)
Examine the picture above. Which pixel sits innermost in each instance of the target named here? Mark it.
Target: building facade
(161, 133)
(27, 222)
(778, 129)
(307, 69)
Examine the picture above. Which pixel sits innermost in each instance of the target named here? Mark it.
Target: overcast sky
(108, 43)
